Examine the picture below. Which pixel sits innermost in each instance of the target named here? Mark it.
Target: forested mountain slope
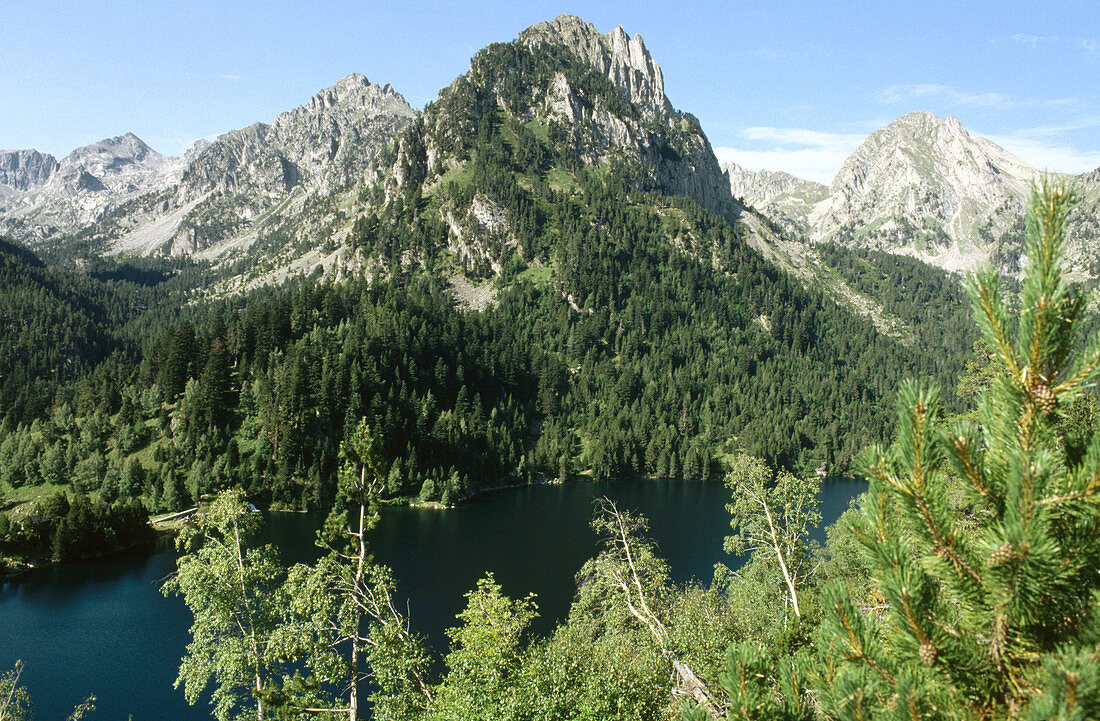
(54, 328)
(632, 329)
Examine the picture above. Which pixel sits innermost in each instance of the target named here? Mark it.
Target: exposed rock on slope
(669, 148)
(242, 176)
(583, 99)
(624, 60)
(926, 187)
(784, 198)
(322, 145)
(121, 192)
(22, 170)
(1083, 235)
(61, 197)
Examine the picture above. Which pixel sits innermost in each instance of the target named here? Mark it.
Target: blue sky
(791, 86)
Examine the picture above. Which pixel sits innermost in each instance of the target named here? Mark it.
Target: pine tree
(996, 616)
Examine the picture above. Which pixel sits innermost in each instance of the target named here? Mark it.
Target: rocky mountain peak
(352, 89)
(195, 151)
(22, 170)
(87, 183)
(785, 198)
(315, 149)
(924, 185)
(111, 154)
(761, 187)
(624, 60)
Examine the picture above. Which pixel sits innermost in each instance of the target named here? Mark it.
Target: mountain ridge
(923, 186)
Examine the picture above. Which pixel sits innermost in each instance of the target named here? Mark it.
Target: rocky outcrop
(86, 185)
(617, 117)
(624, 60)
(323, 145)
(137, 200)
(22, 170)
(782, 197)
(1083, 233)
(667, 149)
(311, 151)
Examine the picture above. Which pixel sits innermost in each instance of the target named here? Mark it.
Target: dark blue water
(103, 627)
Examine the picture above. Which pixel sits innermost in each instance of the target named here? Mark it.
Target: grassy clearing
(540, 276)
(540, 130)
(20, 500)
(562, 179)
(460, 176)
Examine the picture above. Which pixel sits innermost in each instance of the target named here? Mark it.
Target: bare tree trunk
(779, 555)
(691, 684)
(353, 680)
(251, 623)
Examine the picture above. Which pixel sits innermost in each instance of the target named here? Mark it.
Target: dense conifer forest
(628, 332)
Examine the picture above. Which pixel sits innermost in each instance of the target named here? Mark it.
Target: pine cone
(1002, 554)
(928, 653)
(1043, 397)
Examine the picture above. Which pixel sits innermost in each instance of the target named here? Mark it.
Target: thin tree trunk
(353, 693)
(779, 555)
(251, 623)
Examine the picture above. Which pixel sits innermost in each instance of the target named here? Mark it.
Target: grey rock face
(22, 170)
(141, 201)
(1083, 233)
(785, 198)
(669, 148)
(85, 185)
(324, 144)
(923, 186)
(626, 123)
(624, 60)
(926, 187)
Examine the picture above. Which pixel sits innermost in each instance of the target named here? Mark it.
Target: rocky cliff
(592, 100)
(126, 197)
(784, 198)
(322, 145)
(244, 175)
(624, 60)
(59, 198)
(22, 170)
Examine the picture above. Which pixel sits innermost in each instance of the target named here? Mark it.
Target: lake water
(103, 627)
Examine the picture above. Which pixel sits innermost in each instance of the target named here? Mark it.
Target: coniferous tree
(1001, 620)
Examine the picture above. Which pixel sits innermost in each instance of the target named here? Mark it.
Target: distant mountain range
(922, 186)
(129, 199)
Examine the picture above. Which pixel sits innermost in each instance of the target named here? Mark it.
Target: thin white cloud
(801, 136)
(765, 54)
(1034, 40)
(1046, 131)
(234, 78)
(810, 154)
(1045, 154)
(910, 94)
